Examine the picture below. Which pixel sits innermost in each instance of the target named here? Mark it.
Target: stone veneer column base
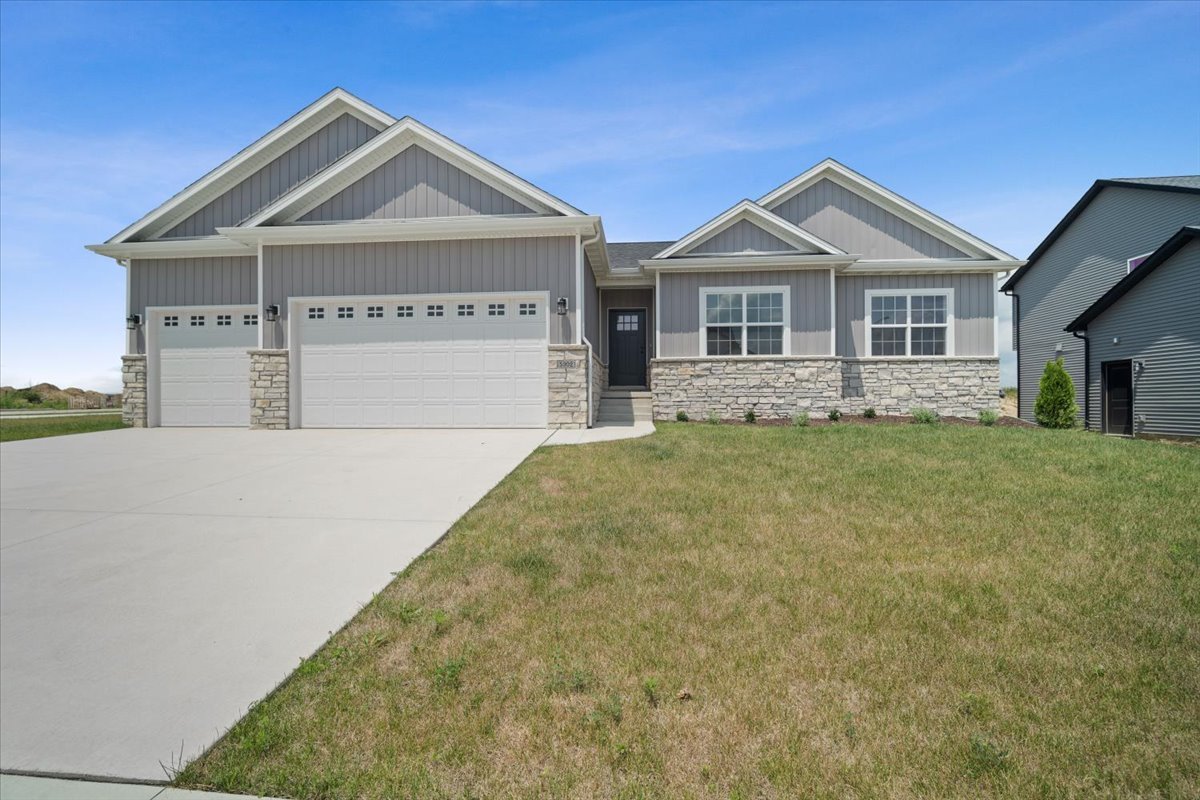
(269, 390)
(133, 393)
(778, 388)
(599, 384)
(568, 386)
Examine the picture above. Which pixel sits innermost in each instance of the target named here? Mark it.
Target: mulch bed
(881, 419)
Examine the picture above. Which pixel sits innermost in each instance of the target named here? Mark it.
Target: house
(350, 269)
(1142, 345)
(1115, 227)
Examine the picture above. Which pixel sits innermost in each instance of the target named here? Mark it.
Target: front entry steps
(623, 406)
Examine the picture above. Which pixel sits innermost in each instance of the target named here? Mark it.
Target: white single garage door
(200, 368)
(434, 362)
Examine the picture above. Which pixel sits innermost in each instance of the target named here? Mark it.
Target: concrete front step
(625, 394)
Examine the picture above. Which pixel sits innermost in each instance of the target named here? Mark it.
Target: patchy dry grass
(13, 430)
(903, 611)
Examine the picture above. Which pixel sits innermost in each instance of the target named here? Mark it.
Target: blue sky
(656, 116)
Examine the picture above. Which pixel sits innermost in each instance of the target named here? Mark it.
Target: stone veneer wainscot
(133, 394)
(269, 389)
(568, 386)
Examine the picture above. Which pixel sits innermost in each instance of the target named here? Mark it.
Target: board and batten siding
(1083, 263)
(679, 305)
(1155, 323)
(225, 281)
(743, 237)
(415, 184)
(855, 224)
(401, 268)
(284, 173)
(626, 298)
(974, 309)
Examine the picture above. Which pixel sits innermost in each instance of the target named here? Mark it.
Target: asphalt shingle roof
(625, 255)
(1190, 181)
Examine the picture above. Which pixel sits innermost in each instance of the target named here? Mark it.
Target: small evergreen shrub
(1055, 406)
(869, 412)
(750, 416)
(988, 418)
(800, 420)
(834, 415)
(713, 419)
(681, 416)
(925, 416)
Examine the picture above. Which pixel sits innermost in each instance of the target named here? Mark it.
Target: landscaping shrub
(925, 416)
(988, 418)
(681, 416)
(869, 412)
(1055, 406)
(713, 419)
(800, 420)
(750, 416)
(834, 415)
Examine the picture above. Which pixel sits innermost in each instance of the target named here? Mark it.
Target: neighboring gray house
(354, 270)
(1142, 339)
(1115, 226)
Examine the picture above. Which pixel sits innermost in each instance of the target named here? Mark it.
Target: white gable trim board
(751, 212)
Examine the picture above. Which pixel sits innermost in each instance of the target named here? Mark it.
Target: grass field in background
(12, 430)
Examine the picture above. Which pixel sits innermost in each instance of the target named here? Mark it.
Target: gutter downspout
(1087, 378)
(583, 243)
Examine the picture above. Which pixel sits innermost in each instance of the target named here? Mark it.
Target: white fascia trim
(393, 141)
(433, 229)
(277, 141)
(748, 263)
(874, 192)
(752, 212)
(921, 265)
(206, 246)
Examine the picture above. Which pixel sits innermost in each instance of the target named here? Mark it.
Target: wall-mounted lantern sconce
(272, 313)
(562, 306)
(133, 322)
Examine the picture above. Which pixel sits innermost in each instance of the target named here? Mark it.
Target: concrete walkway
(156, 583)
(602, 433)
(24, 787)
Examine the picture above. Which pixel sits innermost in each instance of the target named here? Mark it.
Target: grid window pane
(889, 310)
(724, 342)
(929, 310)
(496, 309)
(887, 342)
(723, 309)
(929, 341)
(764, 340)
(764, 307)
(374, 312)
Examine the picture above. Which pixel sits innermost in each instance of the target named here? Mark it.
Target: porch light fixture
(133, 322)
(562, 306)
(272, 313)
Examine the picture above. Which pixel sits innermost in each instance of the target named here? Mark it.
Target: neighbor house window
(905, 324)
(739, 322)
(1136, 262)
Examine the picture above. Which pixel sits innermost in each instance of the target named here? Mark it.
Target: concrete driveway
(156, 583)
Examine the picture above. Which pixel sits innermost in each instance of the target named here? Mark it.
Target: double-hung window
(914, 323)
(744, 321)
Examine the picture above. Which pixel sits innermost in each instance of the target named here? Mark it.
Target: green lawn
(12, 430)
(846, 611)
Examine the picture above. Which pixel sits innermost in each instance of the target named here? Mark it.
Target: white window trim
(908, 294)
(744, 290)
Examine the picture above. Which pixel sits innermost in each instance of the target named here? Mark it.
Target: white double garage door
(455, 361)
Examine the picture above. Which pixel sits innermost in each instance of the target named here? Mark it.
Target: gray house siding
(857, 225)
(1155, 323)
(1083, 263)
(415, 184)
(974, 307)
(743, 237)
(626, 298)
(396, 268)
(679, 305)
(293, 167)
(190, 282)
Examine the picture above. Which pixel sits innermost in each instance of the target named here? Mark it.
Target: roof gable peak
(749, 211)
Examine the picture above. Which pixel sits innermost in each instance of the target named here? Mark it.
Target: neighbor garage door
(446, 362)
(200, 366)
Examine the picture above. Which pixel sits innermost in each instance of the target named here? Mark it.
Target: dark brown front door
(627, 347)
(1117, 395)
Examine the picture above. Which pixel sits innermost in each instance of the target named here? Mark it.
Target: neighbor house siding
(1155, 323)
(626, 298)
(743, 237)
(397, 268)
(680, 307)
(296, 165)
(415, 184)
(855, 224)
(1081, 265)
(974, 307)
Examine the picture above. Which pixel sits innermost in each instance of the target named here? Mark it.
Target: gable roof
(757, 215)
(252, 158)
(304, 198)
(1180, 183)
(910, 212)
(1139, 273)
